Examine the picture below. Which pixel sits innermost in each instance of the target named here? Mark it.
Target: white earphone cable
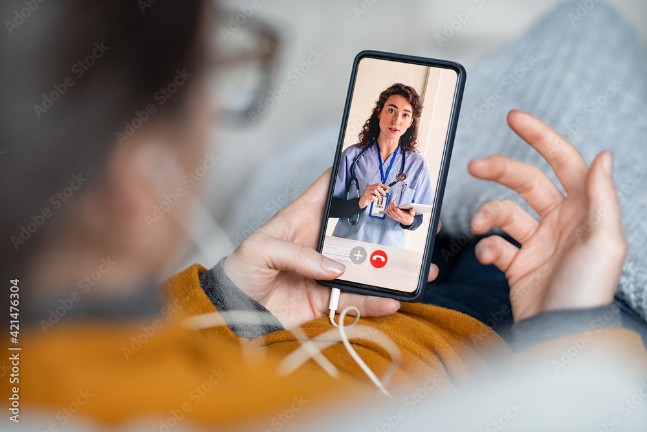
(332, 306)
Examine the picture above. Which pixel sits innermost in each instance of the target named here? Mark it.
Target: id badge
(378, 208)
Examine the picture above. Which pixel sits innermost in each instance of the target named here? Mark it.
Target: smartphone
(389, 172)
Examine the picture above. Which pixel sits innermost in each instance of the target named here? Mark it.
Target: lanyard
(384, 176)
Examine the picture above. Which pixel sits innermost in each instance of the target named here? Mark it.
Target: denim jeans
(482, 292)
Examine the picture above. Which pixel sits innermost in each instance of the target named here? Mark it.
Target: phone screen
(389, 172)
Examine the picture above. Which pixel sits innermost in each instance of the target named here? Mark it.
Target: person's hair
(76, 74)
(371, 129)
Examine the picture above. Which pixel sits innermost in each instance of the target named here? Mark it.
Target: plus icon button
(358, 255)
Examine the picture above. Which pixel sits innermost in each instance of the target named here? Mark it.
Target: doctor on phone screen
(383, 172)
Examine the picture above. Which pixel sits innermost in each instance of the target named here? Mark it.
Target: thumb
(305, 261)
(603, 219)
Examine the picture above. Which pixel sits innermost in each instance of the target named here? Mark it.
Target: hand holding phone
(397, 154)
(277, 265)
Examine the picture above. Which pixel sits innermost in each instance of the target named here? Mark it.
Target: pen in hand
(398, 178)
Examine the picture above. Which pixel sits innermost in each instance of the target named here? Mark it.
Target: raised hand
(573, 255)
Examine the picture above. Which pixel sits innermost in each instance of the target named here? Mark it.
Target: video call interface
(386, 182)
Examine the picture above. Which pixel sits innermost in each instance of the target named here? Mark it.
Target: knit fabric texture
(584, 72)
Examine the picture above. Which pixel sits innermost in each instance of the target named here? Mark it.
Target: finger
(433, 273)
(369, 305)
(440, 224)
(295, 258)
(399, 215)
(561, 155)
(604, 221)
(496, 250)
(506, 215)
(527, 180)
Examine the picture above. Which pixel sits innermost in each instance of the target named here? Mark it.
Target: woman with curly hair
(383, 172)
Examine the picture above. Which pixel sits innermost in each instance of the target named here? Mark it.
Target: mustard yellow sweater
(157, 369)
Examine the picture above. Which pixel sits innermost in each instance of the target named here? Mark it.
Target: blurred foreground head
(102, 102)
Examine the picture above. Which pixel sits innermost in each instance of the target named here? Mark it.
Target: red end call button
(379, 259)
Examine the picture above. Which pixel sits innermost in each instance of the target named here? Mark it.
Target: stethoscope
(353, 220)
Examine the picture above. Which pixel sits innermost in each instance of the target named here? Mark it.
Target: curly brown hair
(371, 129)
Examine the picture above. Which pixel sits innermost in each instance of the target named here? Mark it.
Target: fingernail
(332, 266)
(483, 253)
(478, 219)
(607, 162)
(393, 305)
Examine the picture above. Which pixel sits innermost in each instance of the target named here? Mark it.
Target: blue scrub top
(416, 188)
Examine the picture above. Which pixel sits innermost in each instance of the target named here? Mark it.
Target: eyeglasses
(242, 68)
